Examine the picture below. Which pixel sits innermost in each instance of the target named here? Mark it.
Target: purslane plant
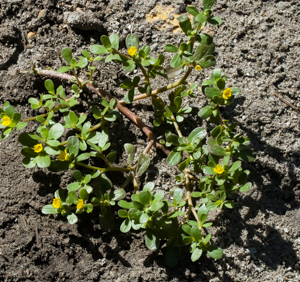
(209, 163)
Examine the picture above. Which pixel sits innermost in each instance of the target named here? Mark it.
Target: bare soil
(258, 48)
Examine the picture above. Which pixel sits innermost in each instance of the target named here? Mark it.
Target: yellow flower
(80, 204)
(38, 148)
(227, 93)
(131, 51)
(63, 156)
(198, 68)
(56, 203)
(219, 169)
(6, 121)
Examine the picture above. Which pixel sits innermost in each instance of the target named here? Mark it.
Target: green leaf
(29, 162)
(106, 42)
(60, 91)
(220, 83)
(196, 194)
(114, 39)
(152, 242)
(207, 61)
(184, 164)
(192, 10)
(44, 133)
(122, 213)
(132, 40)
(185, 23)
(118, 194)
(49, 85)
(98, 49)
(145, 197)
(126, 225)
(86, 54)
(144, 218)
(83, 157)
(129, 66)
(83, 194)
(43, 160)
(196, 254)
(129, 148)
(210, 92)
(125, 205)
(135, 214)
(205, 112)
(74, 186)
(159, 195)
(171, 48)
(204, 49)
(217, 150)
(176, 61)
(129, 97)
(201, 18)
(143, 164)
(199, 133)
(229, 204)
(56, 131)
(215, 252)
(64, 69)
(209, 170)
(82, 63)
(235, 90)
(207, 4)
(246, 187)
(244, 153)
(73, 145)
(155, 206)
(174, 157)
(215, 21)
(71, 198)
(21, 125)
(177, 196)
(49, 209)
(149, 186)
(235, 166)
(72, 218)
(66, 53)
(196, 233)
(35, 104)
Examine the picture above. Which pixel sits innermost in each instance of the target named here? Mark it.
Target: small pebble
(31, 34)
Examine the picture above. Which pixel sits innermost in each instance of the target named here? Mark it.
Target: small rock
(42, 13)
(182, 8)
(83, 21)
(283, 5)
(31, 34)
(153, 47)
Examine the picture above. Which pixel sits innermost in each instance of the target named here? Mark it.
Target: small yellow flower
(6, 121)
(63, 156)
(56, 203)
(91, 59)
(227, 93)
(80, 204)
(218, 169)
(38, 148)
(198, 68)
(131, 51)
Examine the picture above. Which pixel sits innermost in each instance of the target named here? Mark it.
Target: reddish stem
(124, 110)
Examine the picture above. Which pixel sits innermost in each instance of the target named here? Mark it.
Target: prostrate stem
(124, 110)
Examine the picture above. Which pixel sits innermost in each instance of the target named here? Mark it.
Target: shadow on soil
(264, 243)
